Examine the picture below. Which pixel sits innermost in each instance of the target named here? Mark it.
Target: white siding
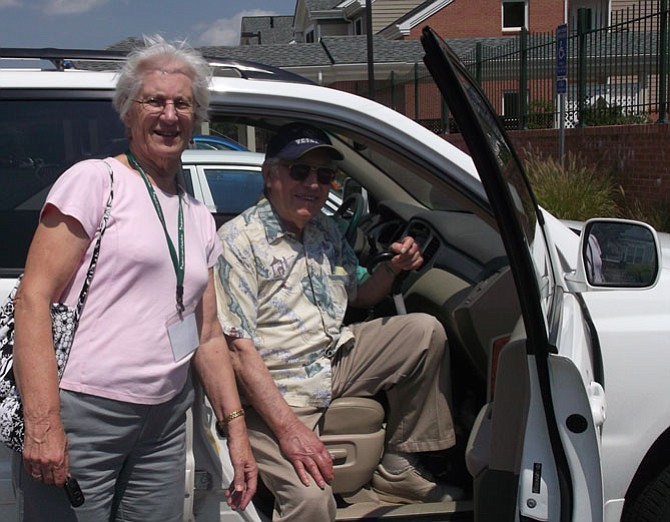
(385, 12)
(622, 4)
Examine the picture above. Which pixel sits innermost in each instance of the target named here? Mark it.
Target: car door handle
(598, 403)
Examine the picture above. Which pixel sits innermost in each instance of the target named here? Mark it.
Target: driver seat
(353, 432)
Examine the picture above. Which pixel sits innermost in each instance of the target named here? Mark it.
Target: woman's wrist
(222, 425)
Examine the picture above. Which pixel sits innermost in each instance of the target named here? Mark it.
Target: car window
(417, 182)
(234, 190)
(39, 139)
(208, 142)
(204, 145)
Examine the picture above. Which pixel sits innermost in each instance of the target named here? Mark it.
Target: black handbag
(64, 325)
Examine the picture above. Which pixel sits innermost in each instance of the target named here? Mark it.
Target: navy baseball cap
(295, 139)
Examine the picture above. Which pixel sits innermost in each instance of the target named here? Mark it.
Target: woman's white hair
(159, 55)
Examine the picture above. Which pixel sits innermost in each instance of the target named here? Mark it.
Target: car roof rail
(88, 59)
(61, 58)
(253, 70)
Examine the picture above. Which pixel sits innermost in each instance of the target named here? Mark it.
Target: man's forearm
(259, 387)
(376, 288)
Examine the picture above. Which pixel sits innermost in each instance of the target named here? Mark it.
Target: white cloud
(226, 31)
(9, 3)
(64, 7)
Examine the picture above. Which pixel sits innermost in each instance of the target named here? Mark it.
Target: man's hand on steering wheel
(408, 255)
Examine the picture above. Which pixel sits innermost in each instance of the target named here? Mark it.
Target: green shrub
(579, 192)
(601, 113)
(656, 215)
(572, 190)
(540, 115)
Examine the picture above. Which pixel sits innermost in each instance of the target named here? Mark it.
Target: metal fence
(617, 74)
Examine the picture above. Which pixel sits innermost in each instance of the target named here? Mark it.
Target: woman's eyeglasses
(300, 172)
(156, 105)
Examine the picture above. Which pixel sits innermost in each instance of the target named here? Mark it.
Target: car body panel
(638, 327)
(636, 336)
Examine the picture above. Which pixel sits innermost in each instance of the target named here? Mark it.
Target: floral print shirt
(288, 296)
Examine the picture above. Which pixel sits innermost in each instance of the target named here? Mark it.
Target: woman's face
(161, 119)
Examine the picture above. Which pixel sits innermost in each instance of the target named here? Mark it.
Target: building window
(514, 15)
(588, 19)
(511, 104)
(358, 26)
(309, 37)
(511, 107)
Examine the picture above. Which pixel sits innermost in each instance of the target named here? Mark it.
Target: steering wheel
(396, 290)
(351, 209)
(378, 258)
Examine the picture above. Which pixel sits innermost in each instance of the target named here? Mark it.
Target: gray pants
(403, 356)
(129, 460)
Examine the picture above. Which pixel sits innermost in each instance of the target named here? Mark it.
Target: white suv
(559, 369)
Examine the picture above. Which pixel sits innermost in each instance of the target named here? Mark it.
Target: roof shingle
(272, 29)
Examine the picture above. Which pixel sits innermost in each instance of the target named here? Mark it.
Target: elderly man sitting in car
(284, 283)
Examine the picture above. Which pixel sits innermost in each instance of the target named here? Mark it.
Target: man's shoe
(412, 486)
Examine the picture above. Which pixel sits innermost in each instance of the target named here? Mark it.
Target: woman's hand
(242, 488)
(57, 248)
(45, 453)
(214, 368)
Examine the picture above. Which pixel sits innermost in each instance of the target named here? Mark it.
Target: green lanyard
(177, 262)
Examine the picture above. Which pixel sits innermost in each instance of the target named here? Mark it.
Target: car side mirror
(619, 253)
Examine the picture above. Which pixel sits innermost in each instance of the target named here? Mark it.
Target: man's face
(298, 200)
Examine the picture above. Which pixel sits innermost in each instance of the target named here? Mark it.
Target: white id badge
(183, 335)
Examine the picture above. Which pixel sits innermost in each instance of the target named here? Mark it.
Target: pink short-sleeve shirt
(121, 350)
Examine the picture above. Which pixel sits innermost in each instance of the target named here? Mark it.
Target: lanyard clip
(180, 299)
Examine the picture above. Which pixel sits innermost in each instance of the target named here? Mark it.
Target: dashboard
(458, 242)
(465, 280)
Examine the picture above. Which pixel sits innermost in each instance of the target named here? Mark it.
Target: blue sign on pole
(561, 85)
(562, 50)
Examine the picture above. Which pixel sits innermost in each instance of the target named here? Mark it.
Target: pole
(562, 51)
(561, 133)
(523, 79)
(371, 58)
(663, 64)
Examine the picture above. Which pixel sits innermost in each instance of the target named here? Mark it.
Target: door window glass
(39, 140)
(233, 190)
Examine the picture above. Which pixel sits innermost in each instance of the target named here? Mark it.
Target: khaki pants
(405, 357)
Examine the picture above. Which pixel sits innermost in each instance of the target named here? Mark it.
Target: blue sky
(96, 24)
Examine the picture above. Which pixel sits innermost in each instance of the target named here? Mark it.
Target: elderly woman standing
(117, 423)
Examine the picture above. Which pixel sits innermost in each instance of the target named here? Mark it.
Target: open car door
(535, 449)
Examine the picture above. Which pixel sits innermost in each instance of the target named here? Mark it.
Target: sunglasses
(300, 172)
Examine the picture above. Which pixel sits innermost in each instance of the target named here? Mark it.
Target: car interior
(465, 282)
